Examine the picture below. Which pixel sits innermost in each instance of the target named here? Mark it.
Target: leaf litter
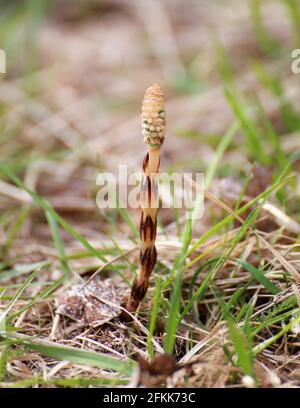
(94, 304)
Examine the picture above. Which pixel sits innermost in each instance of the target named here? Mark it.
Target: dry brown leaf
(95, 304)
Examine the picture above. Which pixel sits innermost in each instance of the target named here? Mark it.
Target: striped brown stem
(153, 122)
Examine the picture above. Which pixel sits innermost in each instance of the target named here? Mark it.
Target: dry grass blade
(287, 265)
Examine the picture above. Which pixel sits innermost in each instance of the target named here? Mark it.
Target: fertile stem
(153, 122)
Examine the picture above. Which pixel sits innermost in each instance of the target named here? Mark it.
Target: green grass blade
(260, 277)
(260, 347)
(154, 314)
(244, 353)
(71, 354)
(47, 208)
(58, 243)
(14, 230)
(265, 41)
(294, 11)
(22, 270)
(174, 307)
(16, 297)
(211, 274)
(227, 220)
(250, 131)
(74, 382)
(223, 145)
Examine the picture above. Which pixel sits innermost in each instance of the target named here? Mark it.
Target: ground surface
(224, 297)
